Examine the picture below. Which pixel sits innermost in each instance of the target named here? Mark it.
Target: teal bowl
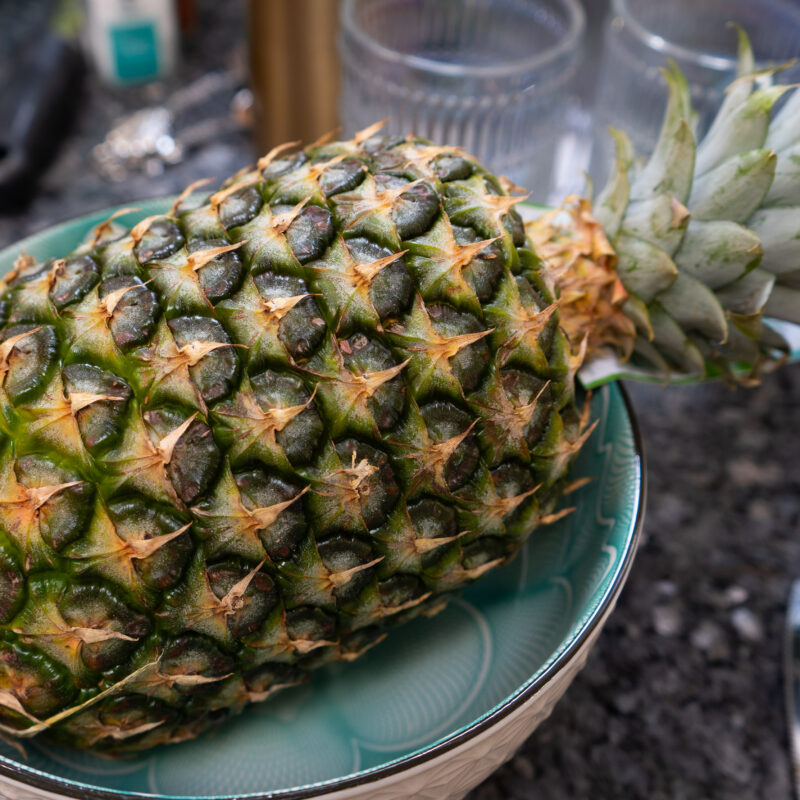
(435, 708)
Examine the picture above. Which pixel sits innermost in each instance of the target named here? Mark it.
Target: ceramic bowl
(431, 711)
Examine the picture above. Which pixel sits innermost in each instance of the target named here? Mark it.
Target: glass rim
(575, 29)
(655, 41)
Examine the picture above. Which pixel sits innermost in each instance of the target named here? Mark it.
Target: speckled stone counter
(682, 698)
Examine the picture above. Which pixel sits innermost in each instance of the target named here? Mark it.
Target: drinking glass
(642, 34)
(492, 76)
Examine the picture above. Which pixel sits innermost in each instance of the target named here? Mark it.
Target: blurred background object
(149, 140)
(294, 68)
(528, 86)
(36, 113)
(493, 76)
(132, 41)
(138, 139)
(640, 35)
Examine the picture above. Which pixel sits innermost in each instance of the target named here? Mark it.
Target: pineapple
(247, 437)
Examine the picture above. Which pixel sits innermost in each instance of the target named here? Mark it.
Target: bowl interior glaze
(430, 684)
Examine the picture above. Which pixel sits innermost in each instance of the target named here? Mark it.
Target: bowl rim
(28, 776)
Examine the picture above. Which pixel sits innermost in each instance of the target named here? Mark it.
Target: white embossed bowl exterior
(434, 709)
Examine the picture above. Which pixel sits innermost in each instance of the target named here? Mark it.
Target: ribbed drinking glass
(642, 34)
(492, 76)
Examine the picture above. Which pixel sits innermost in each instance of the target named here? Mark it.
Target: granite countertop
(682, 697)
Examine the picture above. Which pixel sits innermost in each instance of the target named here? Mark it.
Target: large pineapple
(245, 438)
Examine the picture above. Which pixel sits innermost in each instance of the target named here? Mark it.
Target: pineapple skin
(245, 438)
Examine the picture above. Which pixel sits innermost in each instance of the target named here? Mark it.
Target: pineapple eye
(512, 222)
(259, 490)
(215, 374)
(432, 519)
(98, 422)
(486, 269)
(310, 624)
(414, 211)
(310, 233)
(391, 290)
(258, 600)
(65, 515)
(341, 553)
(134, 318)
(221, 277)
(364, 356)
(302, 328)
(126, 713)
(512, 479)
(280, 166)
(96, 607)
(470, 362)
(272, 676)
(43, 684)
(370, 473)
(240, 207)
(30, 271)
(444, 422)
(195, 655)
(380, 142)
(30, 360)
(342, 177)
(531, 298)
(299, 436)
(452, 168)
(522, 388)
(195, 457)
(400, 589)
(138, 519)
(161, 239)
(74, 281)
(356, 642)
(482, 551)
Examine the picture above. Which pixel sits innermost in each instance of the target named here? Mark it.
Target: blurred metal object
(792, 680)
(294, 68)
(143, 140)
(150, 140)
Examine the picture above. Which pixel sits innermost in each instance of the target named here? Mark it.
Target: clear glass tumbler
(642, 34)
(492, 76)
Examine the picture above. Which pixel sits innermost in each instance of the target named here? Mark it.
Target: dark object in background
(187, 15)
(36, 108)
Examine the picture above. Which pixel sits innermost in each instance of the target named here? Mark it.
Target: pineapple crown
(688, 265)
